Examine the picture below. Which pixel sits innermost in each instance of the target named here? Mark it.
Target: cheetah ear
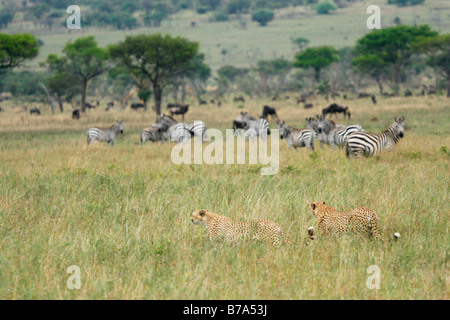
(313, 206)
(324, 202)
(202, 212)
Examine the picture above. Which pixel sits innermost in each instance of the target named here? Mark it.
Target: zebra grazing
(259, 127)
(335, 134)
(154, 135)
(241, 121)
(197, 129)
(297, 138)
(107, 135)
(369, 144)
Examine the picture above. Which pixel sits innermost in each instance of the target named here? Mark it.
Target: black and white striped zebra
(335, 134)
(178, 133)
(297, 138)
(105, 134)
(369, 144)
(258, 127)
(197, 129)
(176, 129)
(154, 135)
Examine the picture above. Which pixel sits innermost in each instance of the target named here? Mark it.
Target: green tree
(83, 60)
(325, 7)
(159, 58)
(16, 49)
(300, 42)
(372, 65)
(317, 58)
(438, 51)
(263, 16)
(273, 73)
(238, 6)
(230, 73)
(394, 46)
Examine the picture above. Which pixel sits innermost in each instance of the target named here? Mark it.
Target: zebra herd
(356, 141)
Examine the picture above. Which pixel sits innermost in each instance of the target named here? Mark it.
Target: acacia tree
(317, 58)
(83, 61)
(373, 66)
(159, 58)
(438, 51)
(394, 46)
(15, 49)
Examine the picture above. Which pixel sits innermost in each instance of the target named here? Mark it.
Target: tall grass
(122, 214)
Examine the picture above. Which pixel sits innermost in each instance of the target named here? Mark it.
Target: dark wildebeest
(408, 93)
(137, 106)
(374, 99)
(201, 102)
(109, 105)
(335, 109)
(240, 98)
(35, 111)
(363, 95)
(267, 110)
(89, 106)
(178, 109)
(76, 114)
(308, 106)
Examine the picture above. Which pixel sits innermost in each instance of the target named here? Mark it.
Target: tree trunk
(397, 80)
(83, 96)
(448, 85)
(317, 75)
(157, 91)
(380, 85)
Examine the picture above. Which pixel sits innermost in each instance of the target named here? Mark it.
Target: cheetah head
(199, 217)
(316, 207)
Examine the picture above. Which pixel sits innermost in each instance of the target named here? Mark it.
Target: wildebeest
(202, 102)
(136, 106)
(335, 109)
(35, 111)
(240, 98)
(308, 106)
(109, 105)
(267, 110)
(363, 95)
(89, 106)
(408, 93)
(374, 99)
(76, 114)
(177, 109)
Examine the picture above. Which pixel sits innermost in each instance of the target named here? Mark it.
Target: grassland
(122, 214)
(246, 46)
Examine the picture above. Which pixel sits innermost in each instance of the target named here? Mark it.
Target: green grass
(245, 47)
(122, 214)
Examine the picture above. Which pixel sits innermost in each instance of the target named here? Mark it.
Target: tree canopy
(160, 58)
(15, 49)
(317, 58)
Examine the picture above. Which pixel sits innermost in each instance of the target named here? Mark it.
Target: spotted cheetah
(332, 221)
(223, 227)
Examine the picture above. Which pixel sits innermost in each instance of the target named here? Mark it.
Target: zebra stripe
(259, 127)
(153, 134)
(197, 129)
(369, 144)
(297, 138)
(106, 135)
(335, 134)
(178, 132)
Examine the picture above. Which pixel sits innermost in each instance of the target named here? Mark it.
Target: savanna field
(122, 214)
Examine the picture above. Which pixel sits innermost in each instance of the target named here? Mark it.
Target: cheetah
(223, 227)
(332, 221)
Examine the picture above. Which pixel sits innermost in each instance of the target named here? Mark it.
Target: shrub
(263, 16)
(325, 7)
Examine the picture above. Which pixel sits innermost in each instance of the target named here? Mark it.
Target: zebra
(153, 134)
(297, 138)
(107, 135)
(369, 144)
(178, 132)
(196, 128)
(335, 134)
(259, 127)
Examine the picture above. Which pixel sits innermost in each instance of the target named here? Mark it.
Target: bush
(325, 7)
(219, 17)
(202, 10)
(263, 16)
